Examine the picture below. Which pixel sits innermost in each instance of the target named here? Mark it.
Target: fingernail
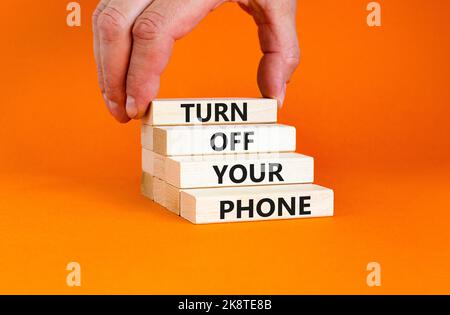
(112, 106)
(282, 96)
(131, 107)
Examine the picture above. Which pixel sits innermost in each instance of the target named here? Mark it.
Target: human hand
(133, 41)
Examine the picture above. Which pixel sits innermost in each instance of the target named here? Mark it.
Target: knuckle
(111, 24)
(148, 26)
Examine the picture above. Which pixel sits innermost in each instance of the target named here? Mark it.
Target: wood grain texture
(161, 192)
(234, 204)
(153, 163)
(147, 137)
(172, 197)
(211, 111)
(221, 139)
(147, 185)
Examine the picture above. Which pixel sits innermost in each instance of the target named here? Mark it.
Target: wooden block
(153, 163)
(161, 192)
(211, 111)
(172, 198)
(147, 137)
(153, 188)
(237, 169)
(205, 205)
(147, 185)
(221, 139)
(233, 204)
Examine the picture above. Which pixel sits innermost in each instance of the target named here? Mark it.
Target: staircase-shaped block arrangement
(227, 160)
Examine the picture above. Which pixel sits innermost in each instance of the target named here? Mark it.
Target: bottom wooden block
(234, 204)
(231, 204)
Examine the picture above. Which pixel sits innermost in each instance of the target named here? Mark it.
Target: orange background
(370, 104)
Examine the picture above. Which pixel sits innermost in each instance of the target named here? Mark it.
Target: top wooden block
(188, 111)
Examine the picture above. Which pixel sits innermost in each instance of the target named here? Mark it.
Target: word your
(274, 207)
(217, 112)
(74, 16)
(233, 140)
(238, 173)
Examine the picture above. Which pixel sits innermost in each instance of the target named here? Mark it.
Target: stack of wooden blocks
(227, 160)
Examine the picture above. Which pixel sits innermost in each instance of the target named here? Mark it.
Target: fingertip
(118, 112)
(134, 109)
(282, 95)
(131, 108)
(140, 114)
(272, 78)
(123, 119)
